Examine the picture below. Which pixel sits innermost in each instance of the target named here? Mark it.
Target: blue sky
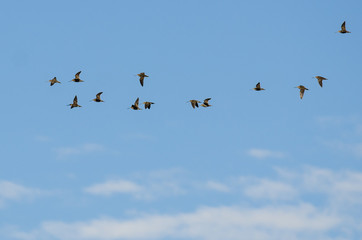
(256, 165)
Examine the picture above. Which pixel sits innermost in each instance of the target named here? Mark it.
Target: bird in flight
(142, 76)
(98, 97)
(257, 87)
(77, 79)
(320, 80)
(148, 105)
(302, 89)
(75, 103)
(135, 105)
(53, 81)
(206, 103)
(194, 103)
(343, 28)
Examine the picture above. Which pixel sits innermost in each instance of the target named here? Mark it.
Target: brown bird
(343, 28)
(142, 76)
(53, 81)
(148, 105)
(75, 103)
(77, 79)
(258, 88)
(206, 103)
(98, 97)
(302, 89)
(320, 80)
(194, 103)
(135, 105)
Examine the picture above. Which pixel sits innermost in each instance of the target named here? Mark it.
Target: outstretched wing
(75, 100)
(77, 74)
(98, 96)
(136, 102)
(301, 93)
(258, 85)
(141, 80)
(343, 26)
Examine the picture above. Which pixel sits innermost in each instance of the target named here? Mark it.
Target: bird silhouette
(77, 79)
(135, 105)
(98, 97)
(258, 88)
(194, 103)
(206, 103)
(148, 105)
(53, 81)
(320, 80)
(343, 28)
(142, 76)
(75, 103)
(302, 89)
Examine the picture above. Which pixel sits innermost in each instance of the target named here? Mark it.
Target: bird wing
(206, 101)
(320, 81)
(193, 104)
(75, 100)
(98, 96)
(301, 93)
(196, 104)
(141, 80)
(343, 26)
(136, 102)
(77, 74)
(258, 85)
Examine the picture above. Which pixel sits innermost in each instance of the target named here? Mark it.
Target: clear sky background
(256, 165)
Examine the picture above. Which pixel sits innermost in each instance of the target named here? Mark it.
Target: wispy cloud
(10, 191)
(302, 221)
(115, 186)
(269, 189)
(78, 150)
(264, 153)
(217, 186)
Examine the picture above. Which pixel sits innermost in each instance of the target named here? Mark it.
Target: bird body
(194, 103)
(258, 88)
(302, 89)
(77, 79)
(98, 97)
(343, 28)
(148, 105)
(320, 80)
(135, 105)
(75, 103)
(53, 81)
(142, 76)
(206, 103)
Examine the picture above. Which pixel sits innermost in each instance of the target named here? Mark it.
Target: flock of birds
(194, 103)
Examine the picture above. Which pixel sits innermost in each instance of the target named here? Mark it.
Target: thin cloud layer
(82, 149)
(10, 191)
(264, 153)
(209, 223)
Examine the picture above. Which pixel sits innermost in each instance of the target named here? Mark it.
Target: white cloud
(302, 221)
(82, 149)
(10, 191)
(112, 187)
(217, 186)
(264, 153)
(268, 189)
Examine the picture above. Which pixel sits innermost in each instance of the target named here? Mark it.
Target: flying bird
(142, 76)
(98, 97)
(343, 28)
(53, 81)
(206, 103)
(148, 105)
(320, 80)
(75, 103)
(194, 103)
(302, 89)
(77, 79)
(258, 88)
(135, 105)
